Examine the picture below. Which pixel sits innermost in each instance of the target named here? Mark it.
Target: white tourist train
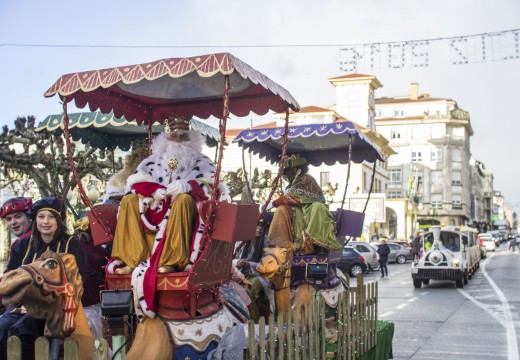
(447, 253)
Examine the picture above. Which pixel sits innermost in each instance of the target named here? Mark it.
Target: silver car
(367, 251)
(398, 253)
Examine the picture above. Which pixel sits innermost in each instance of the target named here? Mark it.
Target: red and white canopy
(192, 86)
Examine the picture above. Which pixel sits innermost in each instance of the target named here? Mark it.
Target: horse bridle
(283, 267)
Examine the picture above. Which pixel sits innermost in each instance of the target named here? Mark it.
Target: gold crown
(176, 123)
(294, 160)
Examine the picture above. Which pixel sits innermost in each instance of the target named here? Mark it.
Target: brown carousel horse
(50, 289)
(275, 265)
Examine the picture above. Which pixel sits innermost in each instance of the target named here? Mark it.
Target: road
(438, 321)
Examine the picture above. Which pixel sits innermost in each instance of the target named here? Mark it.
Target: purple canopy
(318, 143)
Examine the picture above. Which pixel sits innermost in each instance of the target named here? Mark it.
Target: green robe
(312, 221)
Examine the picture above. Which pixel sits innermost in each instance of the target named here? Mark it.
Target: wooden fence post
(41, 348)
(301, 333)
(14, 348)
(100, 349)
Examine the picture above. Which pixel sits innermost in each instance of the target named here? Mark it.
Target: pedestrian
(14, 212)
(416, 245)
(383, 250)
(514, 244)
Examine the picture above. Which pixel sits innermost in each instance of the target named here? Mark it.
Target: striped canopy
(192, 86)
(105, 131)
(318, 143)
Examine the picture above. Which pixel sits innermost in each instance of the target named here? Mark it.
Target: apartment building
(431, 137)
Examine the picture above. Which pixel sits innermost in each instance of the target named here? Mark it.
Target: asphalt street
(438, 321)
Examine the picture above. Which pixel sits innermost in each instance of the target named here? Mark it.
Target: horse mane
(56, 317)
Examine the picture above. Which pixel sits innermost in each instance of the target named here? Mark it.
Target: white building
(431, 168)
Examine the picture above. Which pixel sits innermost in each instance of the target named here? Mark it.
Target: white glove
(178, 187)
(159, 194)
(149, 202)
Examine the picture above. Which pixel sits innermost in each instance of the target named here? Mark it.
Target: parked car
(496, 237)
(398, 253)
(352, 262)
(488, 241)
(367, 251)
(404, 243)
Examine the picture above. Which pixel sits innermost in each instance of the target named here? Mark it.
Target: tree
(260, 183)
(26, 155)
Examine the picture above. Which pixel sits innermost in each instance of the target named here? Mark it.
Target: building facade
(431, 137)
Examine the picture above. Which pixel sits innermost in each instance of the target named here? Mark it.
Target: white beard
(156, 167)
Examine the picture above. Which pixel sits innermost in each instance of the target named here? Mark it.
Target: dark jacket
(383, 250)
(416, 245)
(23, 254)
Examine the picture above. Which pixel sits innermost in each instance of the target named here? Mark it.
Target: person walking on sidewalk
(514, 244)
(383, 250)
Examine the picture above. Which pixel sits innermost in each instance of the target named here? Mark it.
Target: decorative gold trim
(166, 284)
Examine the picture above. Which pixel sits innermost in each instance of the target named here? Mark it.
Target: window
(324, 178)
(364, 181)
(416, 155)
(436, 201)
(396, 133)
(436, 155)
(456, 202)
(377, 186)
(455, 155)
(394, 178)
(379, 113)
(398, 112)
(456, 178)
(395, 195)
(394, 160)
(436, 177)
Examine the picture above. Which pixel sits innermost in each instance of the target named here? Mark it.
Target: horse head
(275, 264)
(50, 288)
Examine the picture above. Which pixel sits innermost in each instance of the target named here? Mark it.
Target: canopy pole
(82, 193)
(150, 133)
(246, 179)
(208, 221)
(371, 185)
(338, 225)
(274, 184)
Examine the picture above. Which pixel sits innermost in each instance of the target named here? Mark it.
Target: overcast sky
(264, 34)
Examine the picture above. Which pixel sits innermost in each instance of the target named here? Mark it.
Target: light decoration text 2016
(491, 46)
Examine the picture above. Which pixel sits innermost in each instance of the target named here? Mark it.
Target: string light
(504, 45)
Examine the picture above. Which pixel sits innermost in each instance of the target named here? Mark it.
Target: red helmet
(14, 205)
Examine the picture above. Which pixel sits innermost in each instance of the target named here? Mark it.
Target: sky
(294, 42)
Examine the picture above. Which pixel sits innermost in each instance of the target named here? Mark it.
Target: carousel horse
(277, 264)
(50, 289)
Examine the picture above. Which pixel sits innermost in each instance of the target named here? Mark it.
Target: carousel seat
(190, 294)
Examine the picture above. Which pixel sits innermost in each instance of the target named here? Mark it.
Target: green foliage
(38, 160)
